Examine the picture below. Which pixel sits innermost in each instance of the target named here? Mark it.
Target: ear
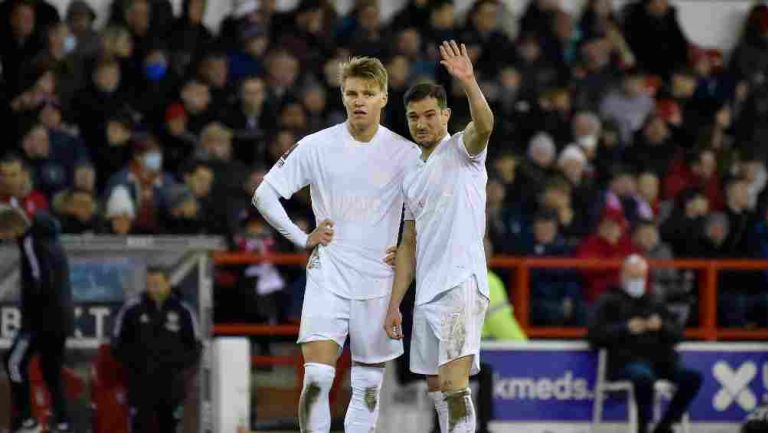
(384, 99)
(447, 113)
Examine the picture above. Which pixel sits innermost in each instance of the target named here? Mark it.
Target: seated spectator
(753, 170)
(80, 18)
(196, 98)
(740, 218)
(184, 216)
(248, 59)
(654, 147)
(698, 169)
(622, 196)
(314, 103)
(213, 70)
(157, 340)
(537, 72)
(16, 186)
(648, 192)
(667, 284)
(596, 75)
(556, 297)
(628, 107)
(572, 164)
(684, 230)
(500, 323)
(252, 119)
(587, 129)
(178, 142)
(156, 85)
(84, 178)
(76, 211)
(20, 38)
(558, 196)
(539, 165)
(640, 335)
(120, 212)
(52, 157)
(609, 241)
(507, 224)
(189, 37)
(483, 32)
(282, 77)
(655, 36)
(147, 183)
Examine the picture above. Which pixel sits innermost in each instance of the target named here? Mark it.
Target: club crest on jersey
(285, 156)
(172, 322)
(144, 318)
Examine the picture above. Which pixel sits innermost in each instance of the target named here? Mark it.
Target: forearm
(267, 201)
(482, 116)
(405, 267)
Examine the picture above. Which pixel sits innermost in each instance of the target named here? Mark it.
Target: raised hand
(456, 61)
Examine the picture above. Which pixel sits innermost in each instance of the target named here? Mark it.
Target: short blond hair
(369, 68)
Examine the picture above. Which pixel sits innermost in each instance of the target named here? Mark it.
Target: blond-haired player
(355, 171)
(443, 242)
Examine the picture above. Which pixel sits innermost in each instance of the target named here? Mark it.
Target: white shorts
(448, 328)
(327, 316)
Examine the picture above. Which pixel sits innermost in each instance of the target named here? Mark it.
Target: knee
(318, 378)
(366, 383)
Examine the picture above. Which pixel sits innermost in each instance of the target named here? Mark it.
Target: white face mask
(70, 43)
(153, 161)
(634, 287)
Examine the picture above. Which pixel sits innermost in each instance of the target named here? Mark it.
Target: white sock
(460, 413)
(441, 407)
(314, 410)
(363, 407)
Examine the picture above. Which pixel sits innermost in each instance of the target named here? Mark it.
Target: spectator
(120, 212)
(16, 186)
(248, 60)
(442, 25)
(572, 164)
(199, 179)
(20, 39)
(216, 150)
(252, 119)
(648, 192)
(80, 19)
(558, 196)
(740, 218)
(213, 70)
(84, 178)
(314, 103)
(628, 107)
(684, 230)
(655, 36)
(482, 33)
(750, 57)
(597, 19)
(158, 84)
(699, 169)
(653, 148)
(595, 76)
(622, 196)
(369, 38)
(184, 216)
(308, 39)
(541, 159)
(52, 157)
(507, 224)
(667, 284)
(587, 129)
(640, 336)
(76, 210)
(55, 56)
(189, 37)
(609, 241)
(156, 338)
(537, 72)
(556, 295)
(178, 142)
(196, 98)
(753, 170)
(539, 16)
(147, 183)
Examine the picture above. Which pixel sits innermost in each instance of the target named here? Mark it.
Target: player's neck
(427, 150)
(363, 134)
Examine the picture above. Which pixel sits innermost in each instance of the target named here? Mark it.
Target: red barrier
(519, 289)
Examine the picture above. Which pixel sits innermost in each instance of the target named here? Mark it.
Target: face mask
(588, 142)
(635, 287)
(153, 161)
(155, 71)
(70, 43)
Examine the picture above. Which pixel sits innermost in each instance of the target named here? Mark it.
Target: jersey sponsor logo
(285, 156)
(314, 260)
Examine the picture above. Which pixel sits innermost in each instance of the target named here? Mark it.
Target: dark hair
(644, 222)
(11, 157)
(157, 269)
(422, 91)
(192, 166)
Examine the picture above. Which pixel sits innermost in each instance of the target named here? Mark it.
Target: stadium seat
(663, 389)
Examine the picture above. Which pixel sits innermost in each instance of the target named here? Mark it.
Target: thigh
(368, 342)
(52, 351)
(457, 319)
(324, 317)
(638, 372)
(425, 344)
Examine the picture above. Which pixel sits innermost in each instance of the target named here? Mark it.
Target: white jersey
(359, 187)
(446, 197)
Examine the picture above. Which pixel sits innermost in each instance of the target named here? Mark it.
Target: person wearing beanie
(120, 211)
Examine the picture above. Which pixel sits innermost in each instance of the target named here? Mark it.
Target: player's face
(427, 122)
(364, 100)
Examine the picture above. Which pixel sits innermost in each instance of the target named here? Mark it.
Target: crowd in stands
(615, 134)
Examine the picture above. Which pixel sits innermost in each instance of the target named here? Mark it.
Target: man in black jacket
(156, 339)
(46, 310)
(640, 335)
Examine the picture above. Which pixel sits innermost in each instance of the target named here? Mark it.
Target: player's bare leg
(363, 410)
(319, 371)
(454, 384)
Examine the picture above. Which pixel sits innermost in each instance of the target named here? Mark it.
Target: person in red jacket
(16, 186)
(698, 169)
(610, 240)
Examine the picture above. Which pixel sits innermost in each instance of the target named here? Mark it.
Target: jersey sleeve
(293, 171)
(458, 144)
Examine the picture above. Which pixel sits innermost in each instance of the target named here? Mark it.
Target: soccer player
(443, 242)
(355, 171)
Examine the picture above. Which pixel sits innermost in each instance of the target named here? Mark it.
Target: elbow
(258, 195)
